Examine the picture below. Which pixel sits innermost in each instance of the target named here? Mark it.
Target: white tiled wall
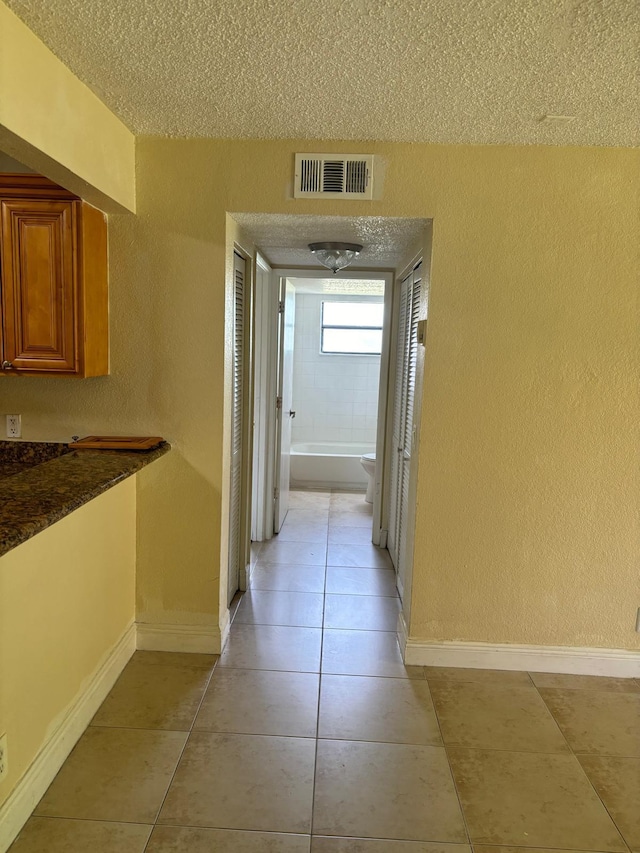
(335, 397)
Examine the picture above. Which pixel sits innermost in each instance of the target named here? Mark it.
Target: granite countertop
(33, 498)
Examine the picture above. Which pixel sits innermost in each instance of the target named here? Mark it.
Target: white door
(236, 545)
(403, 430)
(284, 414)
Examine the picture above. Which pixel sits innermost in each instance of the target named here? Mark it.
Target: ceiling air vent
(334, 176)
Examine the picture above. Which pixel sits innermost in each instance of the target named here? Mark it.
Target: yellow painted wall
(52, 122)
(66, 599)
(527, 520)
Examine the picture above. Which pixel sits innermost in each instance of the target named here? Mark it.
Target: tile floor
(309, 733)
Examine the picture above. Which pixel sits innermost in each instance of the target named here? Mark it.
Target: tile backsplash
(335, 397)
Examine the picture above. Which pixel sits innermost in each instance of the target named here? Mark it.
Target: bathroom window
(354, 328)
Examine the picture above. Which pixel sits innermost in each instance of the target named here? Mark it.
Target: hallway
(309, 724)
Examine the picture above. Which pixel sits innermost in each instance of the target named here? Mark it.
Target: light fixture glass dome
(335, 256)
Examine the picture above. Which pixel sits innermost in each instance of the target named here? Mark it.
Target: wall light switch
(14, 426)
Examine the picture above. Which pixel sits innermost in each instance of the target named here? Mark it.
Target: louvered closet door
(235, 505)
(403, 418)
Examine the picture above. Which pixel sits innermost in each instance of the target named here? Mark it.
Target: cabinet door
(39, 286)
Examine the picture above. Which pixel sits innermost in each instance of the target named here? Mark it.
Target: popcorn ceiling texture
(447, 71)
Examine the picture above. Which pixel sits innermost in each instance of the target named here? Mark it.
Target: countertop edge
(32, 501)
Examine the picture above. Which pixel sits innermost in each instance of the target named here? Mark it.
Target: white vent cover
(333, 176)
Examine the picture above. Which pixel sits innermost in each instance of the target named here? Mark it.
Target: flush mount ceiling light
(335, 256)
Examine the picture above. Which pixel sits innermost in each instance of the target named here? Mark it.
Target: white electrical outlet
(4, 761)
(14, 426)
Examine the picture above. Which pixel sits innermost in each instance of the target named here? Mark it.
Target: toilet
(368, 462)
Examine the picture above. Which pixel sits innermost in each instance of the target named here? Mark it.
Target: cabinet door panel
(39, 285)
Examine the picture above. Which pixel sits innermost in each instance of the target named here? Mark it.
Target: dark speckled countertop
(34, 494)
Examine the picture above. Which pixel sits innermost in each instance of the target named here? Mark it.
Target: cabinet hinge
(278, 402)
(276, 493)
(281, 307)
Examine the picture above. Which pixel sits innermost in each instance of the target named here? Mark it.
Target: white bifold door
(284, 413)
(404, 362)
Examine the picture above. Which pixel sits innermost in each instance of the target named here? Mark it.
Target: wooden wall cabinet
(53, 274)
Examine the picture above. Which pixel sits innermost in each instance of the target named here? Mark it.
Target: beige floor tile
(350, 536)
(309, 500)
(249, 701)
(365, 653)
(320, 844)
(584, 682)
(154, 696)
(187, 660)
(344, 581)
(293, 531)
(228, 781)
(338, 518)
(380, 790)
(495, 716)
(597, 722)
(255, 552)
(350, 502)
(617, 781)
(277, 607)
(289, 578)
(58, 835)
(386, 710)
(488, 848)
(182, 839)
(114, 774)
(308, 516)
(528, 800)
(301, 553)
(365, 556)
(273, 647)
(361, 612)
(479, 676)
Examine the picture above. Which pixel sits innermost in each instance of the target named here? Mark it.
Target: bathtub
(329, 465)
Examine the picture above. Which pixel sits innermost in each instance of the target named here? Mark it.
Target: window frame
(350, 327)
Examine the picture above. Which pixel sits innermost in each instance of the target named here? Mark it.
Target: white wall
(335, 397)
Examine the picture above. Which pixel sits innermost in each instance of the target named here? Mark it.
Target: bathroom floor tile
(301, 553)
(350, 502)
(273, 647)
(309, 499)
(366, 556)
(114, 774)
(350, 581)
(365, 653)
(361, 613)
(380, 790)
(276, 607)
(606, 723)
(350, 535)
(307, 516)
(154, 696)
(325, 844)
(231, 781)
(248, 701)
(495, 716)
(288, 578)
(386, 710)
(531, 800)
(617, 781)
(477, 676)
(303, 532)
(59, 835)
(187, 839)
(584, 682)
(338, 518)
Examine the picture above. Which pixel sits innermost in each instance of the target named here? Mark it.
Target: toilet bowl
(368, 462)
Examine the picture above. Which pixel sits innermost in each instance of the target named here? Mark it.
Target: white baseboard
(17, 809)
(179, 638)
(562, 659)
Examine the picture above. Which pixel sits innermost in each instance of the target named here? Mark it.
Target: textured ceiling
(284, 240)
(467, 71)
(339, 286)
